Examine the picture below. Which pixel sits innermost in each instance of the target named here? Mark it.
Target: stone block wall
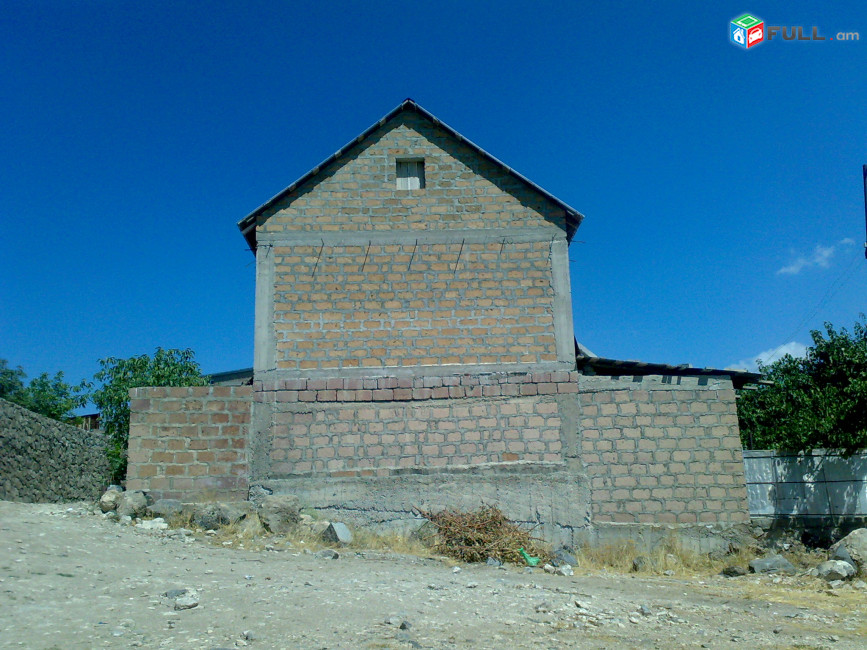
(190, 443)
(413, 304)
(43, 460)
(662, 450)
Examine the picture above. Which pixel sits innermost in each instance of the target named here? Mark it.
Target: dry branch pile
(476, 536)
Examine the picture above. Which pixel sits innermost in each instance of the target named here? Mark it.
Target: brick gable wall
(413, 305)
(358, 192)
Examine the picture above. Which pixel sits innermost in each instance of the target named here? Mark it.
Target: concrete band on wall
(43, 460)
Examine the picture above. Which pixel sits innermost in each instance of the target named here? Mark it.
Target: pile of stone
(276, 514)
(847, 560)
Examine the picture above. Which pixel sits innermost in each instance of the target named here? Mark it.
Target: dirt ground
(72, 579)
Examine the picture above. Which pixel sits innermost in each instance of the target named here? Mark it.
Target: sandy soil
(71, 579)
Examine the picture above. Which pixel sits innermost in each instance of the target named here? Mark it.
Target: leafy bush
(166, 368)
(818, 401)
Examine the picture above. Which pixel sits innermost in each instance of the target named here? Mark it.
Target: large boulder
(855, 544)
(280, 513)
(132, 503)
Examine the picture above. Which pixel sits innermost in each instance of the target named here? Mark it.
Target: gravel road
(72, 579)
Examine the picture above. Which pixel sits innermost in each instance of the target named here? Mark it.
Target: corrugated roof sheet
(615, 367)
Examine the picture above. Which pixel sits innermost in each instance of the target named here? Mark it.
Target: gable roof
(247, 225)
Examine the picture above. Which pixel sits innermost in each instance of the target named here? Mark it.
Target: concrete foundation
(544, 496)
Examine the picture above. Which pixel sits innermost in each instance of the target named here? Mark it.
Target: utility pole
(864, 170)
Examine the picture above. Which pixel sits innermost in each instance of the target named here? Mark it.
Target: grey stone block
(165, 507)
(772, 564)
(338, 533)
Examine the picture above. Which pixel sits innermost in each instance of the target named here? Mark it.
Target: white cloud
(820, 257)
(769, 356)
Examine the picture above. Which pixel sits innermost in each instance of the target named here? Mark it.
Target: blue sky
(722, 188)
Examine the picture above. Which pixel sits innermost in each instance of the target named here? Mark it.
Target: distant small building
(242, 377)
(89, 422)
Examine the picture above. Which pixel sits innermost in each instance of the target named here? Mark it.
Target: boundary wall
(189, 443)
(43, 460)
(583, 457)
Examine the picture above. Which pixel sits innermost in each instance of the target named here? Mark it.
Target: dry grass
(667, 556)
(182, 519)
(250, 534)
(364, 539)
(475, 536)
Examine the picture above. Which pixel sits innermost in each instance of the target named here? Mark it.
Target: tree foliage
(11, 380)
(818, 401)
(166, 368)
(46, 395)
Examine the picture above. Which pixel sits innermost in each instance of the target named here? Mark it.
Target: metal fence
(820, 484)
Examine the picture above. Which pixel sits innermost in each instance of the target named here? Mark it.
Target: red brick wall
(188, 443)
(377, 426)
(399, 305)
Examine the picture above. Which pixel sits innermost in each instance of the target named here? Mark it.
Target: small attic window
(410, 174)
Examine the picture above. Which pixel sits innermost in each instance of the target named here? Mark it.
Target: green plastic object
(529, 559)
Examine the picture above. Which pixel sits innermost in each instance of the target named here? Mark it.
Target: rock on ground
(835, 570)
(734, 571)
(210, 516)
(772, 564)
(279, 513)
(165, 508)
(564, 556)
(153, 524)
(855, 544)
(109, 500)
(337, 533)
(132, 503)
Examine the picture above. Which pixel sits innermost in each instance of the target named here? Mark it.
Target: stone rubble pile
(847, 559)
(276, 514)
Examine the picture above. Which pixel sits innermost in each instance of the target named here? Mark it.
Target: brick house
(414, 346)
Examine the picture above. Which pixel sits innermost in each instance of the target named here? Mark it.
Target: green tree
(46, 395)
(818, 401)
(117, 376)
(11, 380)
